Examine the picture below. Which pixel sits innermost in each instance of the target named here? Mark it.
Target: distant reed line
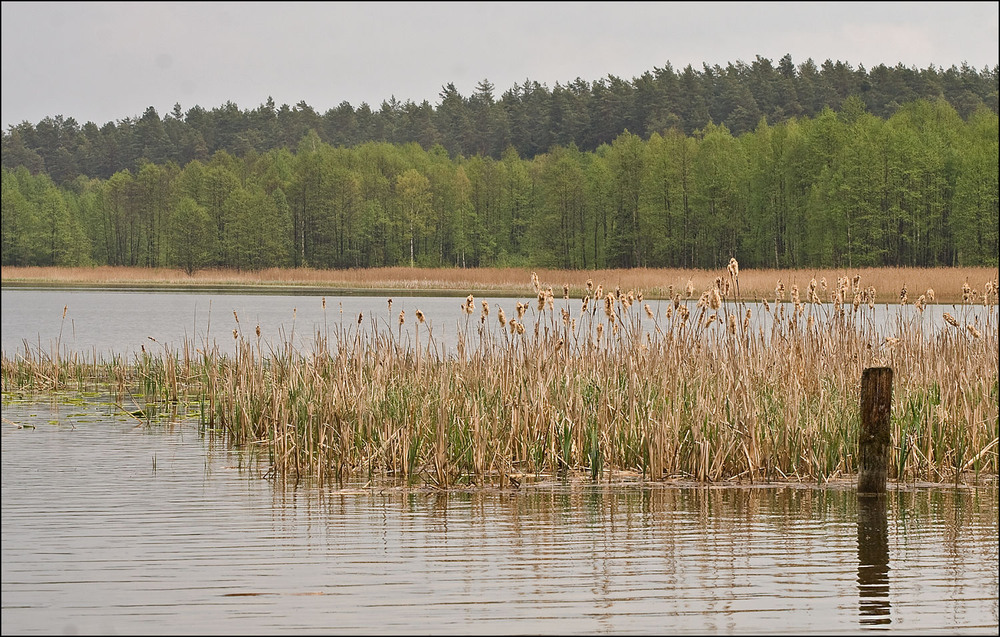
(655, 282)
(608, 387)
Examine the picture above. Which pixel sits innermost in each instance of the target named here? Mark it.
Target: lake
(107, 321)
(114, 526)
(109, 527)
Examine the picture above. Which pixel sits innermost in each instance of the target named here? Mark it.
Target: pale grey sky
(101, 62)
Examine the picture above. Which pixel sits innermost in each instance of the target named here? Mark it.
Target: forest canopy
(782, 166)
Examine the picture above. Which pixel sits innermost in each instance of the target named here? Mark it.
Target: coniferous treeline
(847, 189)
(530, 117)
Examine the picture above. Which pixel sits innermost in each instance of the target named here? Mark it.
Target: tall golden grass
(593, 383)
(656, 283)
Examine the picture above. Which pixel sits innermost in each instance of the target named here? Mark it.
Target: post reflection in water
(873, 561)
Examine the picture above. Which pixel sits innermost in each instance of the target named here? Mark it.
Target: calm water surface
(110, 527)
(102, 322)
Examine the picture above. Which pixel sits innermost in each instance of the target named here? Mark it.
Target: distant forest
(781, 166)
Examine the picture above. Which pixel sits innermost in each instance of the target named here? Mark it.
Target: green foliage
(839, 190)
(192, 234)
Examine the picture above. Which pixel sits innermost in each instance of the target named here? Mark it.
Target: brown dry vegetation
(594, 385)
(655, 283)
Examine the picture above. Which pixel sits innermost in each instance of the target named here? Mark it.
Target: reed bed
(656, 282)
(717, 387)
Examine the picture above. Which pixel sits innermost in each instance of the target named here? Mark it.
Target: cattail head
(683, 312)
(600, 331)
(402, 316)
(734, 268)
(990, 292)
(420, 316)
(731, 323)
(236, 316)
(902, 295)
(919, 305)
(236, 334)
(767, 307)
(501, 316)
(535, 283)
(390, 305)
(361, 317)
(565, 316)
(972, 330)
(609, 304)
(714, 300)
(746, 320)
(559, 344)
(649, 311)
(566, 290)
(541, 300)
(711, 319)
(689, 289)
(966, 292)
(486, 308)
(323, 303)
(779, 291)
(703, 299)
(521, 309)
(590, 285)
(950, 319)
(258, 331)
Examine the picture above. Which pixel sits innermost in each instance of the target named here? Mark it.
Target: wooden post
(873, 439)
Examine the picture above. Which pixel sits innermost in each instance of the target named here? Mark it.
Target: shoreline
(658, 283)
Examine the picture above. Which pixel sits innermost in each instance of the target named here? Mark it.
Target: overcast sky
(102, 62)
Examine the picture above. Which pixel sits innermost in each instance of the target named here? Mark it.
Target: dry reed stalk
(754, 284)
(713, 404)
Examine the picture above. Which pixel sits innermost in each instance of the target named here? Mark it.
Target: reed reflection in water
(113, 527)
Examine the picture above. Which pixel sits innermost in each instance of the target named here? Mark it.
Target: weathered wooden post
(873, 439)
